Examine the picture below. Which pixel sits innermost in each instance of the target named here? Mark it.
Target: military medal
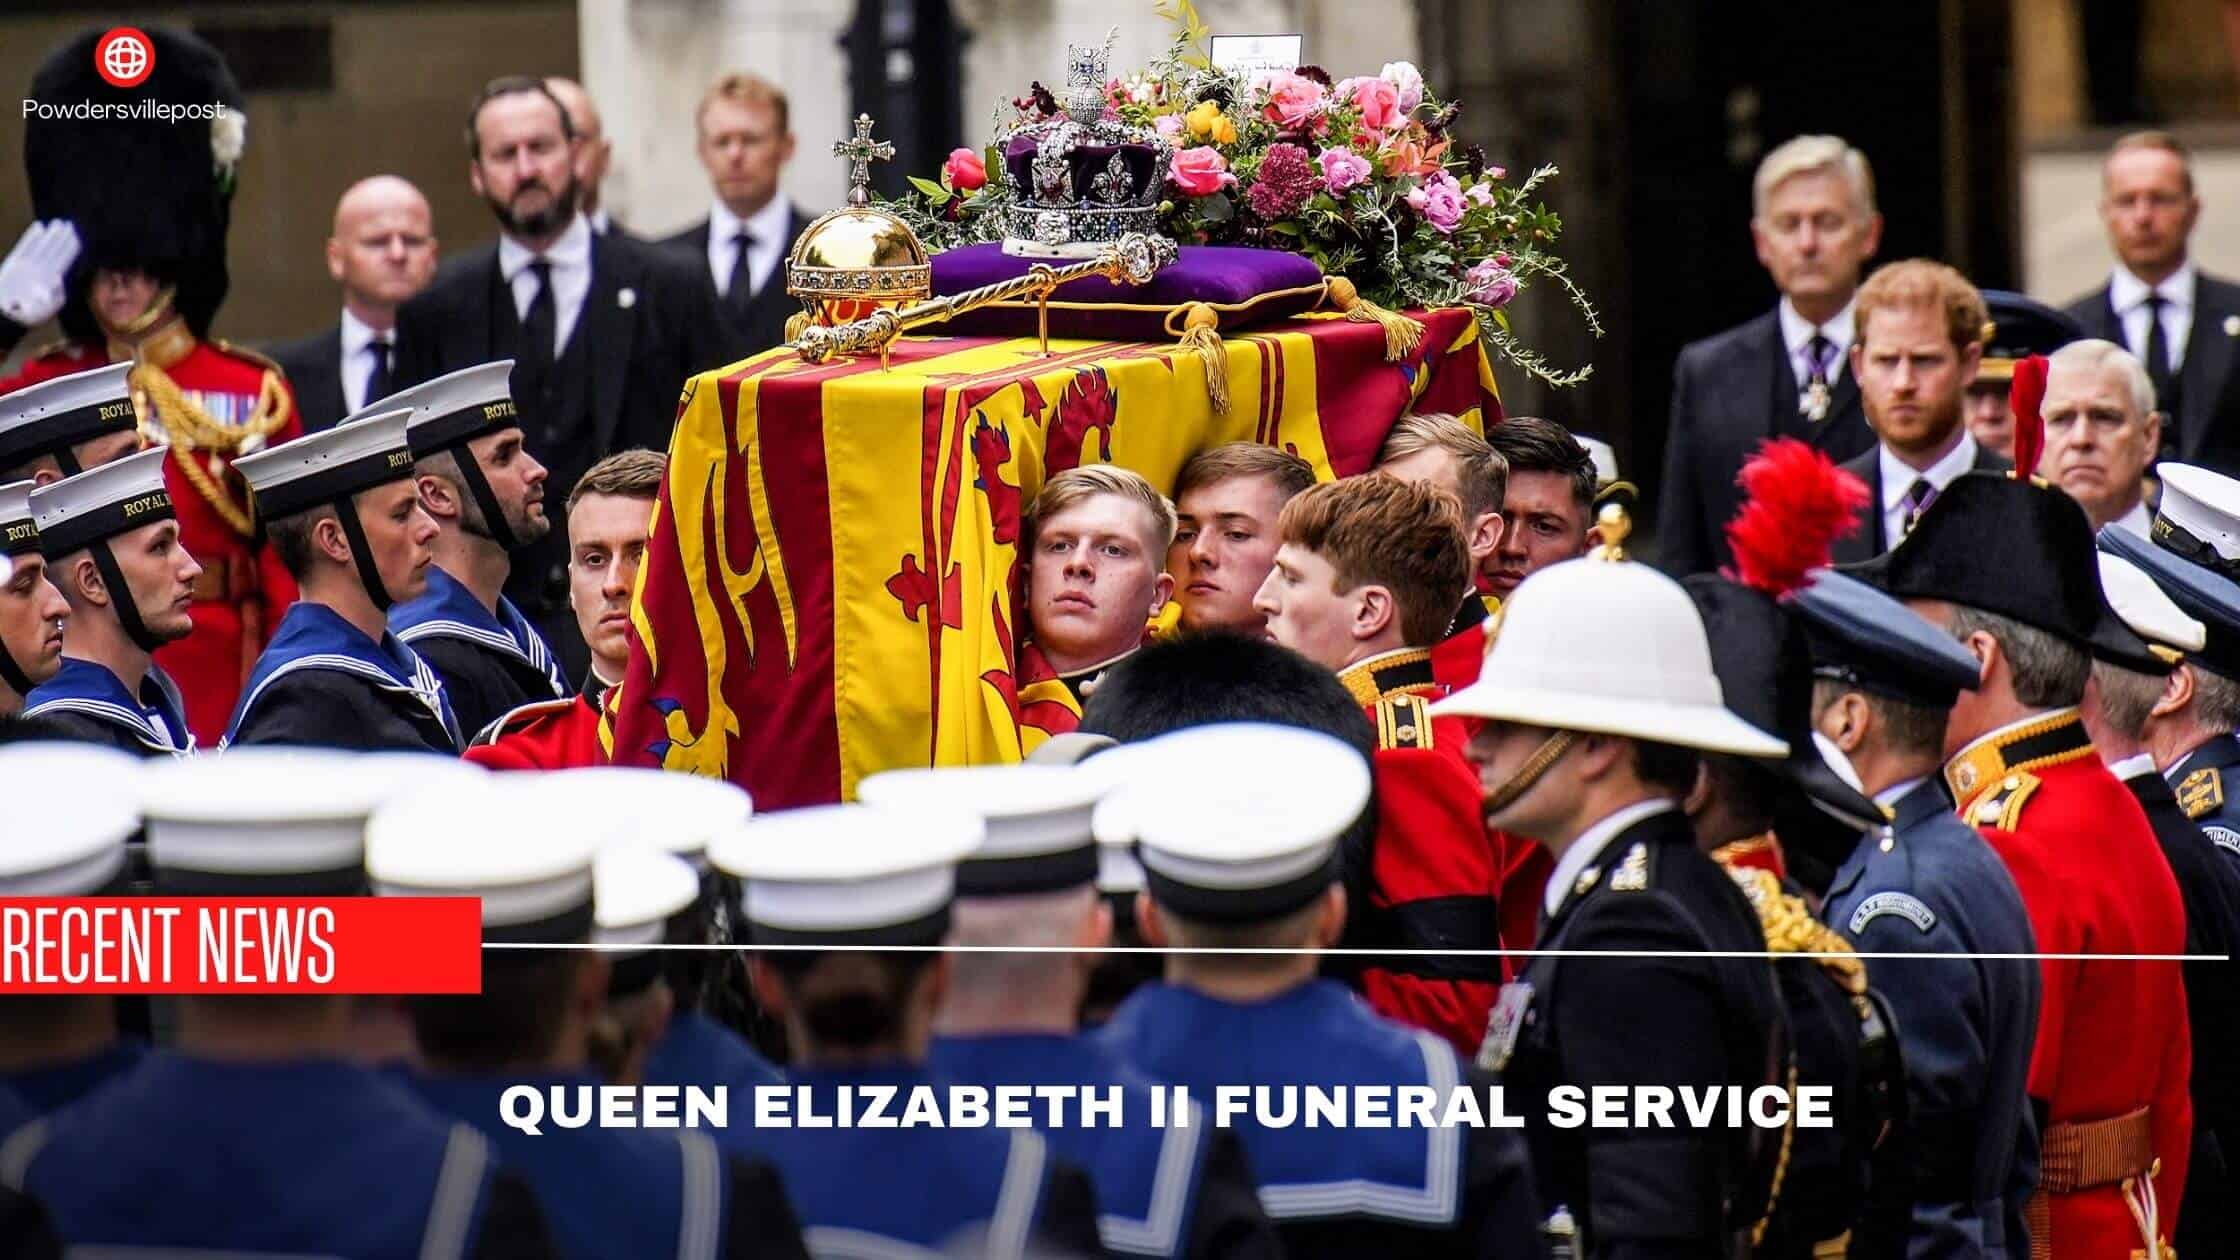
(1503, 1024)
(1816, 400)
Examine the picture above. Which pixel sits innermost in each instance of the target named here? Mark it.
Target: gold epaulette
(1403, 722)
(258, 357)
(60, 345)
(2001, 806)
(2201, 793)
(1790, 928)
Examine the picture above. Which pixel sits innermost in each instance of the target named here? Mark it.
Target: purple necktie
(1918, 498)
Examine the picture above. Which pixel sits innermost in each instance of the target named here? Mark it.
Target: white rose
(229, 132)
(1406, 80)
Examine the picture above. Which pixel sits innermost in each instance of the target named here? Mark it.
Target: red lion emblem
(1088, 406)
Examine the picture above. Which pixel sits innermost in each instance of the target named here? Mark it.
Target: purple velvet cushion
(1246, 286)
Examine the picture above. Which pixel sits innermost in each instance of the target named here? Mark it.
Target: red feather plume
(2024, 397)
(1799, 503)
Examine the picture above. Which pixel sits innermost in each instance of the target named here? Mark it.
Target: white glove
(31, 278)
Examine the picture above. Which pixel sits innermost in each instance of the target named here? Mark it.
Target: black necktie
(537, 327)
(377, 376)
(741, 290)
(2157, 355)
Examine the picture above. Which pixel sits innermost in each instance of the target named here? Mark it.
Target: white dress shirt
(768, 228)
(2127, 293)
(2137, 520)
(1590, 845)
(1797, 333)
(2133, 766)
(1898, 477)
(1889, 797)
(570, 257)
(355, 362)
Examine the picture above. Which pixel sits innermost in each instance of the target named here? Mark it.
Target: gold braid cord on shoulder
(192, 432)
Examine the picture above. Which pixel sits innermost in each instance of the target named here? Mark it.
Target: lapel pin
(628, 298)
(2232, 325)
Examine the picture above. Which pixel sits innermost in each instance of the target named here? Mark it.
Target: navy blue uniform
(323, 683)
(629, 1192)
(1413, 1191)
(1172, 1191)
(872, 1192)
(1967, 1159)
(2201, 781)
(490, 664)
(84, 701)
(696, 1050)
(2210, 886)
(297, 1159)
(1677, 1018)
(50, 1086)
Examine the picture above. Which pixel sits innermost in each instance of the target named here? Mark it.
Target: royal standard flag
(830, 588)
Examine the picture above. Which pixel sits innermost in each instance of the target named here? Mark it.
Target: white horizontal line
(1360, 953)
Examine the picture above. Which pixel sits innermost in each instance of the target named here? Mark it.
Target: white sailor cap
(1119, 872)
(2142, 605)
(635, 891)
(1605, 458)
(2199, 510)
(71, 808)
(528, 858)
(674, 812)
(328, 465)
(1259, 840)
(19, 529)
(848, 875)
(265, 820)
(1037, 819)
(51, 417)
(454, 408)
(101, 503)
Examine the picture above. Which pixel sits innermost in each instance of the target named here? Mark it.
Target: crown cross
(860, 152)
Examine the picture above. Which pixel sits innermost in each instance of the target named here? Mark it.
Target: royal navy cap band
(322, 467)
(926, 929)
(1240, 904)
(51, 417)
(2180, 542)
(101, 503)
(1035, 873)
(456, 408)
(19, 529)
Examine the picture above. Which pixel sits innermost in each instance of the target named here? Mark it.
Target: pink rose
(1170, 126)
(1478, 195)
(964, 171)
(1491, 283)
(1406, 80)
(1439, 200)
(1342, 169)
(1200, 171)
(1379, 103)
(1292, 101)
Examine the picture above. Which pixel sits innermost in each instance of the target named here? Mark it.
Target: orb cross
(860, 152)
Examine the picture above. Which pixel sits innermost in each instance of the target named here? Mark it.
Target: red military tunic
(243, 589)
(1433, 879)
(548, 735)
(2113, 1050)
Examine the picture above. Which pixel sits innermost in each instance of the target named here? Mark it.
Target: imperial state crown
(1084, 179)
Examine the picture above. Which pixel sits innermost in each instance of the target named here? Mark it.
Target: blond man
(743, 134)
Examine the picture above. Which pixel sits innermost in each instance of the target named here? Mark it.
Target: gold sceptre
(1133, 259)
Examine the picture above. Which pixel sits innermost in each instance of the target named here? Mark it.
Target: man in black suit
(1920, 341)
(383, 251)
(1783, 373)
(2182, 322)
(740, 248)
(603, 330)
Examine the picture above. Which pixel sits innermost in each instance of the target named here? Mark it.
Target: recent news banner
(52, 946)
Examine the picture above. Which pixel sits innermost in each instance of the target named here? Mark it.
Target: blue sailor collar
(157, 717)
(448, 609)
(314, 636)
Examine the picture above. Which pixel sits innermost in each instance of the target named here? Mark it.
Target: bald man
(593, 151)
(383, 251)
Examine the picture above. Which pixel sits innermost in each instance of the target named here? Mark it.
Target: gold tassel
(1201, 333)
(1401, 334)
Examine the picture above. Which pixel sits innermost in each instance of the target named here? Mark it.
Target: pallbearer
(341, 510)
(32, 611)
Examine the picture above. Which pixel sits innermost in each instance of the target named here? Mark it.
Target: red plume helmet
(2024, 397)
(1799, 503)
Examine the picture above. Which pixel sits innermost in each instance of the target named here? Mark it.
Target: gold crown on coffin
(858, 253)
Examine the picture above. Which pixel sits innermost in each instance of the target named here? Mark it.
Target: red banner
(51, 945)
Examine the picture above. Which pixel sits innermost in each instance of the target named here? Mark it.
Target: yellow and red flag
(831, 584)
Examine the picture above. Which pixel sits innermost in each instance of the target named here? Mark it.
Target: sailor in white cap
(486, 493)
(60, 428)
(71, 809)
(1242, 878)
(533, 865)
(1596, 699)
(856, 895)
(257, 1135)
(1014, 1018)
(112, 547)
(341, 511)
(32, 611)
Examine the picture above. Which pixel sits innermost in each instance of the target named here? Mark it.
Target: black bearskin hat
(144, 193)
